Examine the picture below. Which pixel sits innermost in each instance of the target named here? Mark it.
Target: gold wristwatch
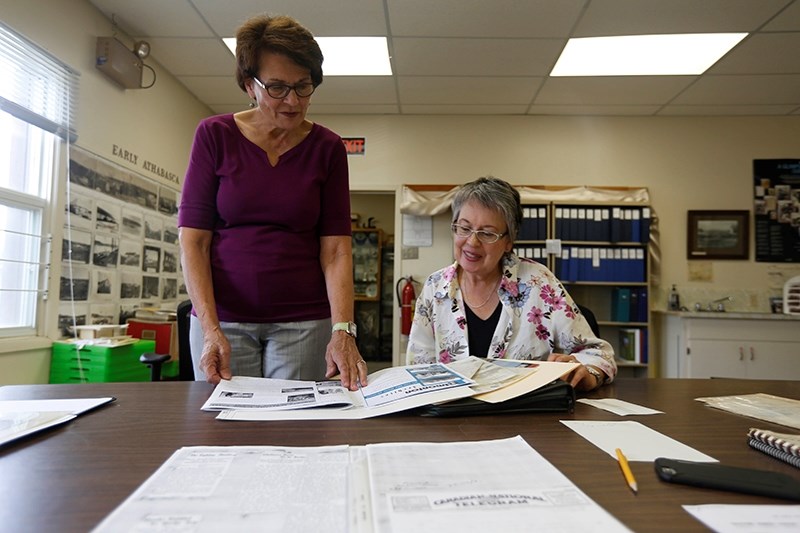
(600, 376)
(347, 327)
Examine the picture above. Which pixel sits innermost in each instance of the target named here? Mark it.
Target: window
(36, 96)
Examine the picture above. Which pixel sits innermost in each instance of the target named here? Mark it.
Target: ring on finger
(360, 361)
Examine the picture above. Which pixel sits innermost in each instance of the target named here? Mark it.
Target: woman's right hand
(215, 361)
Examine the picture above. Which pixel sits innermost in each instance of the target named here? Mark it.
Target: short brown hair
(281, 35)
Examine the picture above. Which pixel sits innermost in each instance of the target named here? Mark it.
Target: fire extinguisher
(406, 300)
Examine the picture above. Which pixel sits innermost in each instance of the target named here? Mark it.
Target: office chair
(185, 367)
(590, 318)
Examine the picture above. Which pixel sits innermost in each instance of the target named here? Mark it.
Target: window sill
(24, 344)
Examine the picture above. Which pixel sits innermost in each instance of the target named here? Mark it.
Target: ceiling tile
(642, 17)
(479, 18)
(612, 90)
(787, 20)
(325, 19)
(765, 53)
(358, 90)
(155, 18)
(726, 110)
(594, 110)
(481, 109)
(463, 90)
(193, 57)
(743, 90)
(414, 56)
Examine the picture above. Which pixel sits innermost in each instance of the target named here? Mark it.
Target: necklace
(486, 301)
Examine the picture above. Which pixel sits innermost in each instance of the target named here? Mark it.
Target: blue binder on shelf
(616, 224)
(559, 223)
(620, 304)
(641, 314)
(645, 235)
(541, 229)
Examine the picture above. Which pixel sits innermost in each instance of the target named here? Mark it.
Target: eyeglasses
(281, 90)
(486, 237)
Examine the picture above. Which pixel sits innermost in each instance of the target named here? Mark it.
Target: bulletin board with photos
(777, 210)
(119, 249)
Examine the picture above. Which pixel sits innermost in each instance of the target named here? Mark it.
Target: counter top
(733, 315)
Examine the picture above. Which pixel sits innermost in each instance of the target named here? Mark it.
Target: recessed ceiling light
(348, 56)
(644, 55)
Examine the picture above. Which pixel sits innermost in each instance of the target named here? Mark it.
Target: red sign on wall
(355, 145)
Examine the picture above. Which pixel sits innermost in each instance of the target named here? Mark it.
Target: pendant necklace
(486, 301)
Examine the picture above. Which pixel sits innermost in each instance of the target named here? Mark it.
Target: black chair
(185, 367)
(590, 318)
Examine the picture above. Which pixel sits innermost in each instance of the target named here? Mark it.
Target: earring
(252, 104)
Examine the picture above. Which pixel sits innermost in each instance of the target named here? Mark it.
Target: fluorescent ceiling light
(348, 56)
(644, 55)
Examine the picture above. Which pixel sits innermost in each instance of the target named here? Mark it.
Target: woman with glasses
(265, 224)
(491, 303)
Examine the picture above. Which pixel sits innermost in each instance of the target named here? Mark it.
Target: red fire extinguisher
(406, 300)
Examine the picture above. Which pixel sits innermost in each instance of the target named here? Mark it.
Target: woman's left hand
(580, 378)
(342, 356)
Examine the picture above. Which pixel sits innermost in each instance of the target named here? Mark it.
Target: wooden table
(69, 478)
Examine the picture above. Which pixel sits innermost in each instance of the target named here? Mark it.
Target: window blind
(35, 86)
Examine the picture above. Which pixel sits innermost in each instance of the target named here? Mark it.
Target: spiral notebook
(783, 446)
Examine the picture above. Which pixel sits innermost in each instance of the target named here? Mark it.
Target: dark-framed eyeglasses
(486, 237)
(281, 90)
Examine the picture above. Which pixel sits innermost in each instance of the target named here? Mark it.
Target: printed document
(747, 518)
(389, 390)
(501, 485)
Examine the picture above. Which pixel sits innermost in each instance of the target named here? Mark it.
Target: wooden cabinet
(600, 252)
(736, 346)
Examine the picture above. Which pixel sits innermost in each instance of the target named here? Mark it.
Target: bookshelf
(599, 249)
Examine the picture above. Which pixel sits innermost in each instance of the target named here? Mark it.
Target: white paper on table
(619, 407)
(747, 518)
(637, 441)
(19, 418)
(357, 412)
(501, 485)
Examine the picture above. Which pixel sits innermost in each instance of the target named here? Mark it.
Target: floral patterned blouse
(538, 318)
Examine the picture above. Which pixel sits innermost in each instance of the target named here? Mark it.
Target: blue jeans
(286, 350)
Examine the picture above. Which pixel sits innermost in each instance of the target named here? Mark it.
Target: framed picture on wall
(718, 235)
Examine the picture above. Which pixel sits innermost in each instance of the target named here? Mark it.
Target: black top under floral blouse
(479, 332)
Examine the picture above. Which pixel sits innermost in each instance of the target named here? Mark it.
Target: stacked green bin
(86, 363)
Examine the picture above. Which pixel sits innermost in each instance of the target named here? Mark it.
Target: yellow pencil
(626, 471)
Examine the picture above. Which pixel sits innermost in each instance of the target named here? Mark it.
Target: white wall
(157, 124)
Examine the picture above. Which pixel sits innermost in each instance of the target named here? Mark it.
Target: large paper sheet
(501, 485)
(748, 518)
(637, 441)
(19, 418)
(775, 409)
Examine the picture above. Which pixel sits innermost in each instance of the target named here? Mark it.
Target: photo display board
(777, 210)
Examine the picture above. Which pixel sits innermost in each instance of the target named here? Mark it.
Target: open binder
(556, 396)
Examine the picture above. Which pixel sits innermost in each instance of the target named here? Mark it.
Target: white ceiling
(489, 56)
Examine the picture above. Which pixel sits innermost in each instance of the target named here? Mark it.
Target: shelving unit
(603, 257)
(368, 288)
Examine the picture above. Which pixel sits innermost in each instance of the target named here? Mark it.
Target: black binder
(556, 396)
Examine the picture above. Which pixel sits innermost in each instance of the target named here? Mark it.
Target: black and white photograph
(108, 216)
(717, 234)
(70, 315)
(150, 286)
(74, 284)
(130, 285)
(103, 284)
(167, 201)
(80, 211)
(170, 289)
(130, 253)
(132, 223)
(785, 211)
(105, 251)
(103, 314)
(152, 259)
(170, 261)
(182, 291)
(170, 232)
(127, 311)
(153, 227)
(76, 246)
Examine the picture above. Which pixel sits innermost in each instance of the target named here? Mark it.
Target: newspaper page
(242, 392)
(502, 485)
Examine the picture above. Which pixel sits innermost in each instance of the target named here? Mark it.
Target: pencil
(626, 471)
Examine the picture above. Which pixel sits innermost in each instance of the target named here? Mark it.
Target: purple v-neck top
(266, 220)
